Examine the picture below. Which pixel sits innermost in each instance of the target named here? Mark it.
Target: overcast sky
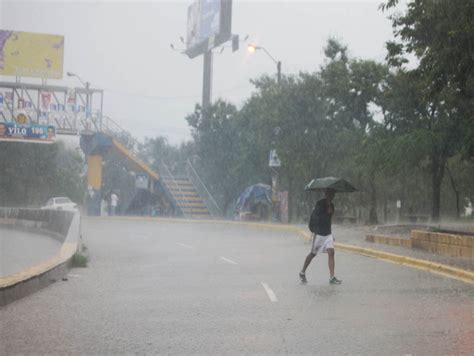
(124, 48)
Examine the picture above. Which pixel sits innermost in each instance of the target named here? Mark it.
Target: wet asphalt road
(196, 288)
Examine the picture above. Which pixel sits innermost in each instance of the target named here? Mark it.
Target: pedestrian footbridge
(78, 111)
(186, 195)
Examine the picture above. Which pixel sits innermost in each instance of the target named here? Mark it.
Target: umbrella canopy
(340, 185)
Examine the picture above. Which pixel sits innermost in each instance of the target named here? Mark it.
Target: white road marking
(74, 275)
(184, 245)
(270, 293)
(228, 261)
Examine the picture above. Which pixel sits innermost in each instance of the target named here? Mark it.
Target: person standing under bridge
(323, 241)
(113, 203)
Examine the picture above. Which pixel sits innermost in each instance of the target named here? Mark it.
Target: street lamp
(252, 48)
(274, 161)
(70, 74)
(86, 86)
(88, 102)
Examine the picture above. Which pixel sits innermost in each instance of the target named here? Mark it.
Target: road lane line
(228, 261)
(184, 245)
(270, 293)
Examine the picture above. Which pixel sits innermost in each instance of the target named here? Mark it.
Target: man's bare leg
(307, 261)
(331, 262)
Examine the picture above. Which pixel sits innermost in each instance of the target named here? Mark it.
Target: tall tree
(436, 96)
(217, 149)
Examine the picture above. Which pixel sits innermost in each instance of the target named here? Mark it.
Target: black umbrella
(340, 185)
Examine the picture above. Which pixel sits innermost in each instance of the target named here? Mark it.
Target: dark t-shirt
(320, 221)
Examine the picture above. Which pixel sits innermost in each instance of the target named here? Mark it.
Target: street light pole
(253, 47)
(88, 98)
(274, 168)
(88, 109)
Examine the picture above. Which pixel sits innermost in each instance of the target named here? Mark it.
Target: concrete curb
(433, 267)
(18, 285)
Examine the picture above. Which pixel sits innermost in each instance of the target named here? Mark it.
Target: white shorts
(321, 243)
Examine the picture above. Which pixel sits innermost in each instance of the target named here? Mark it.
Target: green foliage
(440, 34)
(157, 151)
(79, 260)
(434, 101)
(315, 121)
(219, 150)
(32, 173)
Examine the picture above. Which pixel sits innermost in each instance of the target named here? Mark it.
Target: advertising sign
(27, 133)
(141, 181)
(22, 119)
(1, 102)
(209, 25)
(210, 19)
(274, 160)
(193, 26)
(45, 101)
(28, 54)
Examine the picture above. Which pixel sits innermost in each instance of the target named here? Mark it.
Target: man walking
(323, 241)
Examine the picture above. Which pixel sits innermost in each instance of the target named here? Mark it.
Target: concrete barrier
(388, 240)
(444, 243)
(62, 225)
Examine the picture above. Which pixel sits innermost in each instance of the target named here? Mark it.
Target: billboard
(28, 54)
(209, 25)
(27, 133)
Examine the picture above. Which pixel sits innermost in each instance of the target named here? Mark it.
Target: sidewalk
(21, 250)
(355, 235)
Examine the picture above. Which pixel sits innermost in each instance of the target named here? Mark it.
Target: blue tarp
(253, 195)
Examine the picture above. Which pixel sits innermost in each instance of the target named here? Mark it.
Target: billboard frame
(225, 30)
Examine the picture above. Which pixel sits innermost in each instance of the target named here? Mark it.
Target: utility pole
(207, 82)
(278, 72)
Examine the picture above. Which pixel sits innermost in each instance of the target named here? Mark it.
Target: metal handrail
(113, 129)
(196, 177)
(176, 185)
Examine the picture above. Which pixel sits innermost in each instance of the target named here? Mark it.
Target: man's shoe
(334, 280)
(303, 277)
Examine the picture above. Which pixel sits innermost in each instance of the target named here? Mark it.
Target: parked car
(60, 203)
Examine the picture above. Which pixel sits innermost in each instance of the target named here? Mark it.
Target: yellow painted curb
(66, 252)
(438, 268)
(68, 249)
